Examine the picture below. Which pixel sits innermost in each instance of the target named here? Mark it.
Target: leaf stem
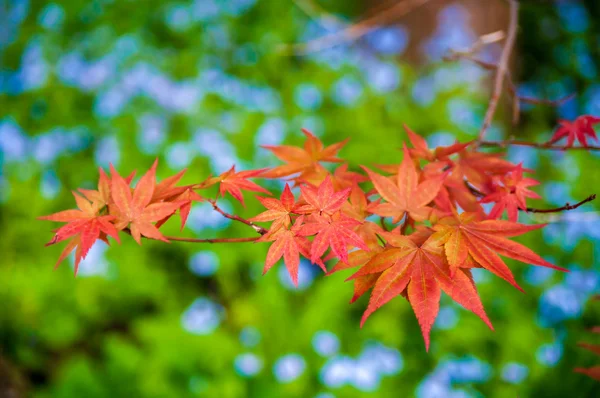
(233, 217)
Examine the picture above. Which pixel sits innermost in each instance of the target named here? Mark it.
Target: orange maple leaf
(278, 210)
(85, 225)
(287, 243)
(167, 191)
(335, 232)
(468, 241)
(303, 160)
(406, 194)
(233, 183)
(322, 199)
(418, 268)
(134, 209)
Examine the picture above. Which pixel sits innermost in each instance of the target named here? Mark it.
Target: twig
(196, 240)
(482, 41)
(313, 10)
(214, 240)
(502, 67)
(566, 207)
(455, 55)
(233, 217)
(548, 146)
(356, 30)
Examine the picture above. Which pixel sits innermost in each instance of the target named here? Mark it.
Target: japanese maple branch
(566, 207)
(213, 240)
(198, 240)
(357, 30)
(512, 88)
(502, 67)
(545, 145)
(233, 217)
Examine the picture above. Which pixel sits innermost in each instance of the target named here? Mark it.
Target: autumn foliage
(412, 229)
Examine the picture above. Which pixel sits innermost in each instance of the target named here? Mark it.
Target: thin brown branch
(547, 146)
(357, 30)
(456, 55)
(502, 67)
(316, 12)
(566, 207)
(233, 217)
(214, 240)
(196, 240)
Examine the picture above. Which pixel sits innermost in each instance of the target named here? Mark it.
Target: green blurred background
(201, 84)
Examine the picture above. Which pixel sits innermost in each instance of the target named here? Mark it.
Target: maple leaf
(357, 258)
(511, 195)
(406, 195)
(85, 225)
(322, 199)
(419, 270)
(278, 210)
(593, 372)
(467, 240)
(289, 245)
(358, 208)
(478, 168)
(303, 160)
(167, 191)
(335, 232)
(421, 149)
(341, 178)
(580, 129)
(234, 183)
(134, 209)
(101, 197)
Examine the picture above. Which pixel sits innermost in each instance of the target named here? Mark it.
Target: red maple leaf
(594, 371)
(101, 197)
(278, 210)
(134, 209)
(421, 149)
(322, 199)
(406, 194)
(234, 183)
(511, 194)
(580, 129)
(468, 241)
(335, 232)
(341, 178)
(85, 225)
(167, 191)
(357, 258)
(303, 160)
(419, 270)
(287, 243)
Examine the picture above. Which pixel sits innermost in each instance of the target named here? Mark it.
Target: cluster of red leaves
(580, 129)
(433, 227)
(139, 211)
